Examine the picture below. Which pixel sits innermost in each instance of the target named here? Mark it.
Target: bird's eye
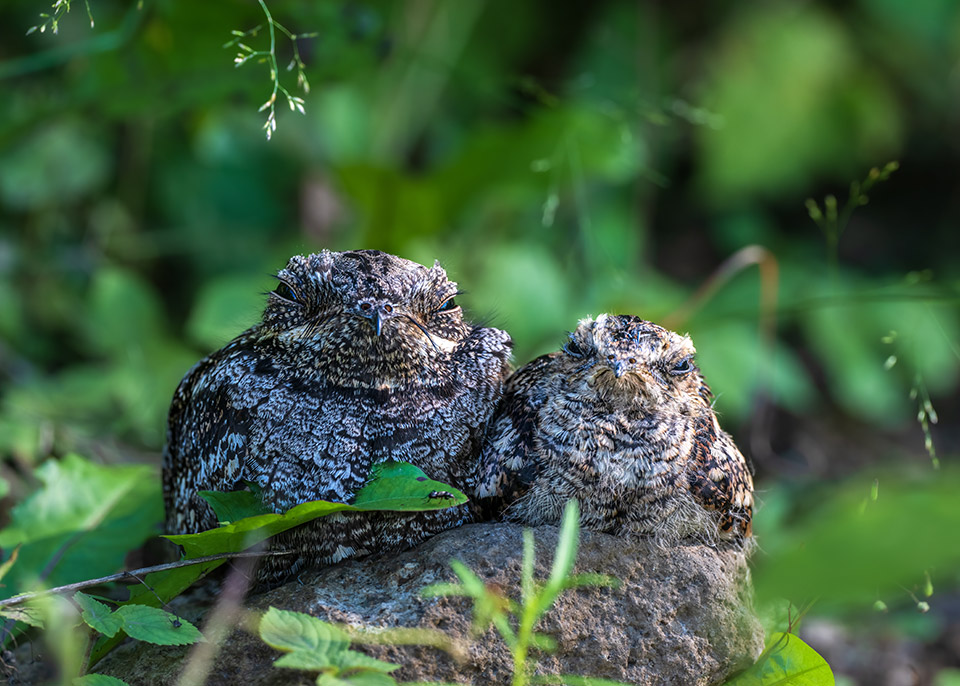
(284, 292)
(571, 348)
(448, 305)
(684, 366)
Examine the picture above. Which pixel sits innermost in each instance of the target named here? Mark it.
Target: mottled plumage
(359, 357)
(621, 420)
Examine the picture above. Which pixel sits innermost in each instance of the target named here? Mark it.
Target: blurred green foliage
(606, 159)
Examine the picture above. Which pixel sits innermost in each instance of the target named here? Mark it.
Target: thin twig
(24, 597)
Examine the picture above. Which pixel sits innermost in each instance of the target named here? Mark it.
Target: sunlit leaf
(787, 661)
(81, 522)
(98, 680)
(98, 616)
(295, 631)
(154, 625)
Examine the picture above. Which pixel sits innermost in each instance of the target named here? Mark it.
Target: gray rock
(682, 615)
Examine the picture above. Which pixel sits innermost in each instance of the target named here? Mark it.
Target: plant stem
(24, 597)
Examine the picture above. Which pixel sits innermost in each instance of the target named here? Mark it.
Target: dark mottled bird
(621, 420)
(359, 357)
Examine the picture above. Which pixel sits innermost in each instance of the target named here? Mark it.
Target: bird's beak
(377, 320)
(619, 369)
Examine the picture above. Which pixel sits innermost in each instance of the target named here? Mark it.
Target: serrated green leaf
(97, 616)
(98, 680)
(787, 661)
(23, 613)
(402, 487)
(295, 631)
(235, 505)
(307, 660)
(352, 659)
(81, 522)
(154, 625)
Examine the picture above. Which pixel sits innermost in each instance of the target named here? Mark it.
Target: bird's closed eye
(571, 348)
(684, 366)
(284, 292)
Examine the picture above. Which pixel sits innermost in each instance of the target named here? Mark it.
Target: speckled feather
(621, 420)
(307, 400)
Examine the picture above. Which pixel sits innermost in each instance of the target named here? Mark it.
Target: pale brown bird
(620, 419)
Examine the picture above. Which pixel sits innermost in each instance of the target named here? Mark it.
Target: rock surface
(681, 616)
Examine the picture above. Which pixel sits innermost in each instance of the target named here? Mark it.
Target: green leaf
(81, 522)
(235, 505)
(295, 631)
(369, 678)
(352, 659)
(98, 616)
(787, 661)
(307, 660)
(394, 486)
(246, 533)
(400, 486)
(24, 613)
(98, 680)
(154, 625)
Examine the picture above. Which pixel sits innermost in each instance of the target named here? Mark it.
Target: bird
(359, 357)
(621, 420)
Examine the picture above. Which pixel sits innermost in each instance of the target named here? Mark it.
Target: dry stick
(769, 285)
(24, 597)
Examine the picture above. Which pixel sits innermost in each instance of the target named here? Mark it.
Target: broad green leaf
(307, 660)
(26, 614)
(361, 679)
(246, 533)
(394, 486)
(295, 631)
(98, 680)
(352, 659)
(787, 661)
(154, 625)
(98, 616)
(368, 678)
(235, 505)
(400, 486)
(81, 522)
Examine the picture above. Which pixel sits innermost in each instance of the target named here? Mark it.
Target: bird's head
(623, 357)
(365, 317)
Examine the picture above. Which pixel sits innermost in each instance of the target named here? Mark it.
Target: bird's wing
(719, 477)
(206, 448)
(509, 461)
